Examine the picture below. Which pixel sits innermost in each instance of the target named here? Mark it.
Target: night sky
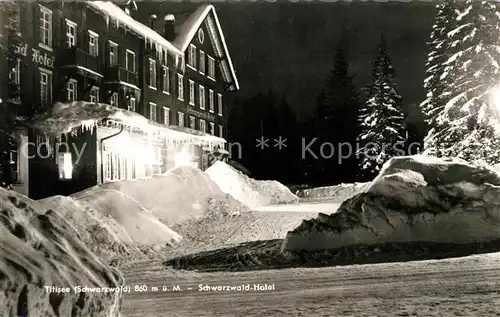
(288, 47)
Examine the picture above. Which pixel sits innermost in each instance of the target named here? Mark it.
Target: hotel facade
(103, 97)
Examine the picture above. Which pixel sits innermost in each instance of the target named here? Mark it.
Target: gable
(205, 18)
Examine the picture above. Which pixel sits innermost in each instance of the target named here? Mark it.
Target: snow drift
(338, 192)
(413, 199)
(252, 193)
(39, 248)
(180, 195)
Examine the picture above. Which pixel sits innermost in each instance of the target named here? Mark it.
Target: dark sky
(288, 47)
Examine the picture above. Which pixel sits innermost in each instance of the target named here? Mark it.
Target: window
(201, 35)
(131, 104)
(130, 61)
(211, 100)
(191, 92)
(45, 27)
(113, 100)
(70, 33)
(152, 111)
(211, 67)
(219, 102)
(220, 132)
(180, 87)
(93, 43)
(113, 54)
(202, 62)
(192, 56)
(72, 90)
(202, 97)
(45, 87)
(180, 121)
(16, 16)
(212, 128)
(152, 73)
(192, 122)
(203, 126)
(166, 116)
(15, 73)
(166, 80)
(94, 94)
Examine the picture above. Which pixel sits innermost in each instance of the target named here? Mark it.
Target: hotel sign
(203, 115)
(36, 56)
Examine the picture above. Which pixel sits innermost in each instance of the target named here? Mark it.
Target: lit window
(180, 121)
(202, 97)
(65, 166)
(71, 33)
(45, 26)
(113, 54)
(45, 87)
(93, 44)
(72, 90)
(94, 94)
(152, 111)
(211, 67)
(212, 128)
(166, 79)
(202, 62)
(211, 100)
(166, 116)
(192, 122)
(131, 104)
(180, 87)
(191, 92)
(113, 100)
(152, 73)
(219, 103)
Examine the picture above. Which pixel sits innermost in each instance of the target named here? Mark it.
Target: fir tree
(468, 126)
(382, 120)
(7, 113)
(336, 120)
(440, 50)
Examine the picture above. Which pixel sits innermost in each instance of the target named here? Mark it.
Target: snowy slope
(413, 199)
(39, 248)
(251, 192)
(337, 192)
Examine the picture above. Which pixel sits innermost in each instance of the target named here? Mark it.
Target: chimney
(169, 27)
(152, 21)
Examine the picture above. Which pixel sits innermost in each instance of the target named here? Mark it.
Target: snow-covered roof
(65, 117)
(111, 10)
(189, 29)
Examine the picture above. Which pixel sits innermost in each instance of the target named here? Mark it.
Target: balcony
(81, 60)
(122, 75)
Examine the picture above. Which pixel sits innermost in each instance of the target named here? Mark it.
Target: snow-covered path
(328, 207)
(453, 287)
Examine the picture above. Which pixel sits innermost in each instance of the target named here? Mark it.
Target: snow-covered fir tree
(440, 50)
(382, 124)
(468, 126)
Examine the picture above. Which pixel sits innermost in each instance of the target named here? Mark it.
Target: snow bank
(338, 192)
(39, 248)
(413, 199)
(251, 192)
(179, 195)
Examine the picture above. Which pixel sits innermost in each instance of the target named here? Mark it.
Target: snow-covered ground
(339, 192)
(251, 192)
(452, 287)
(40, 248)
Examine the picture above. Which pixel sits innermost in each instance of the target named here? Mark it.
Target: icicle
(107, 21)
